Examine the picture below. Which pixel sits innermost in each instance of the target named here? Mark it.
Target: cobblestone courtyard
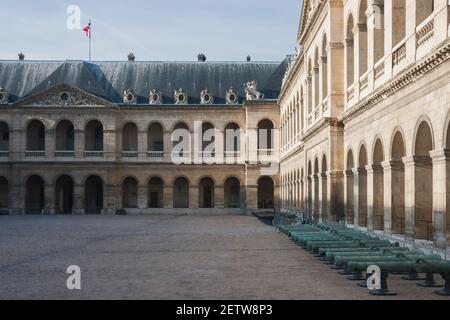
(147, 257)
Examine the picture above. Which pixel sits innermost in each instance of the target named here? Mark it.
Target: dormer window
(206, 97)
(64, 97)
(129, 97)
(3, 96)
(181, 97)
(231, 96)
(155, 97)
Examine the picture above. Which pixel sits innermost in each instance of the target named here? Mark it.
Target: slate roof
(108, 80)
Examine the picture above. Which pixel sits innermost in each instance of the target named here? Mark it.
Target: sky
(156, 30)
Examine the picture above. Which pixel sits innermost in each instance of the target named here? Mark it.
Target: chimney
(131, 57)
(249, 58)
(201, 57)
(21, 56)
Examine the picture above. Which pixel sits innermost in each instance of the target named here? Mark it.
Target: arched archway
(93, 195)
(181, 193)
(266, 193)
(181, 140)
(398, 184)
(94, 136)
(378, 186)
(129, 193)
(129, 137)
(350, 186)
(64, 195)
(232, 193)
(206, 193)
(35, 136)
(4, 194)
(155, 193)
(316, 78)
(65, 136)
(34, 195)
(362, 187)
(423, 213)
(4, 137)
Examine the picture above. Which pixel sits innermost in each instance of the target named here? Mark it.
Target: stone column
(387, 193)
(78, 199)
(50, 143)
(110, 145)
(219, 196)
(356, 178)
(168, 196)
(441, 164)
(370, 196)
(49, 200)
(110, 200)
(335, 195)
(17, 198)
(142, 144)
(167, 137)
(80, 143)
(252, 197)
(193, 197)
(142, 200)
(409, 197)
(336, 75)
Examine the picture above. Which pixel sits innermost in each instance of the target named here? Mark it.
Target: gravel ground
(163, 257)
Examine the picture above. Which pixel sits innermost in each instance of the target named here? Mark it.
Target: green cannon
(365, 243)
(390, 252)
(431, 268)
(341, 261)
(323, 251)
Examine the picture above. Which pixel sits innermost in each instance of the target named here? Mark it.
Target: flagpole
(90, 41)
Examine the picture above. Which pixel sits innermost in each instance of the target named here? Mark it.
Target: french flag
(87, 29)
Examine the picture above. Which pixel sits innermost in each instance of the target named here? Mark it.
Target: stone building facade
(365, 117)
(79, 137)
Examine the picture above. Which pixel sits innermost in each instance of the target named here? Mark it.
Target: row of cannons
(359, 256)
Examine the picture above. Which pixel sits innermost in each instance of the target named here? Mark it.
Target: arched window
(398, 21)
(324, 67)
(265, 135)
(424, 8)
(362, 33)
(65, 136)
(4, 137)
(129, 137)
(35, 136)
(94, 136)
(232, 141)
(156, 138)
(350, 53)
(378, 36)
